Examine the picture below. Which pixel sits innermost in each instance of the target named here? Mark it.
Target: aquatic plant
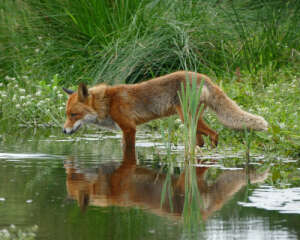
(190, 99)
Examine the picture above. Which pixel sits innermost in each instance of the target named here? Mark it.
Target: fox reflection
(131, 185)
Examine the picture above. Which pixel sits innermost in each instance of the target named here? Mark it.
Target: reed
(191, 109)
(190, 99)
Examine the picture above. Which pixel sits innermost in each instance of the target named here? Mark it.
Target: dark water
(58, 187)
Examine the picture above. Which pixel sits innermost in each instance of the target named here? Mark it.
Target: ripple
(20, 156)
(270, 198)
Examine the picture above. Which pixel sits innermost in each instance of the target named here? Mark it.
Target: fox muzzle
(70, 130)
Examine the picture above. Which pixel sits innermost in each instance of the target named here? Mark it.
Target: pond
(54, 186)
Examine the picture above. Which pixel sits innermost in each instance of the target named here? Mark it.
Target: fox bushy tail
(228, 112)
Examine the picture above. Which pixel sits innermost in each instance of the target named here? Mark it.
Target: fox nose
(68, 131)
(65, 131)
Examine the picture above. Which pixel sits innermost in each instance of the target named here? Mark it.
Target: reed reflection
(130, 185)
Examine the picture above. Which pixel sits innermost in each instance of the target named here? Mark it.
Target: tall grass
(127, 41)
(267, 31)
(189, 99)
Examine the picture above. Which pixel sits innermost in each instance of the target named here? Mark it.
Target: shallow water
(61, 187)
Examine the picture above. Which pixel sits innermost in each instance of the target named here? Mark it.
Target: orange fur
(126, 106)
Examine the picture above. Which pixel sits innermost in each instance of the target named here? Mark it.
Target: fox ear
(83, 92)
(68, 91)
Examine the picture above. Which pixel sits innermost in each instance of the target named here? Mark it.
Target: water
(59, 187)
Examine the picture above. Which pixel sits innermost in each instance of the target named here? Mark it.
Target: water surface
(61, 187)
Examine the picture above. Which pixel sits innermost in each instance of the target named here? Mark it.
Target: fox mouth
(76, 126)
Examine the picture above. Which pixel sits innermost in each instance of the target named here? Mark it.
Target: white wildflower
(40, 37)
(61, 108)
(12, 226)
(22, 90)
(5, 233)
(40, 103)
(22, 97)
(18, 106)
(25, 77)
(60, 95)
(38, 93)
(1, 84)
(35, 228)
(178, 121)
(281, 125)
(54, 88)
(7, 78)
(37, 50)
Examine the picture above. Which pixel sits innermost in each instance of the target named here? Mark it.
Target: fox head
(79, 109)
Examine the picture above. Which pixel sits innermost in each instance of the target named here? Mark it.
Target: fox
(125, 106)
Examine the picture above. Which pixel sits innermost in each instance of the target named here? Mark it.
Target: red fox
(126, 106)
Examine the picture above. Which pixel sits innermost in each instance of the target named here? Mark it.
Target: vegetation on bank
(250, 48)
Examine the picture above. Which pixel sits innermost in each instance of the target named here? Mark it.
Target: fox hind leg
(202, 129)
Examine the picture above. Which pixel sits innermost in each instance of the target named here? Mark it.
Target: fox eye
(74, 114)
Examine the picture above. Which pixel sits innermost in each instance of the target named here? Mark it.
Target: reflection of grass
(192, 202)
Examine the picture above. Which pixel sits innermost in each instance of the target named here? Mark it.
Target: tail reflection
(131, 185)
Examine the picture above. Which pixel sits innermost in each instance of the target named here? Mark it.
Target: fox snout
(67, 131)
(71, 128)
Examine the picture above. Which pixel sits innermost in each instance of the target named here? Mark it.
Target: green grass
(189, 99)
(250, 48)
